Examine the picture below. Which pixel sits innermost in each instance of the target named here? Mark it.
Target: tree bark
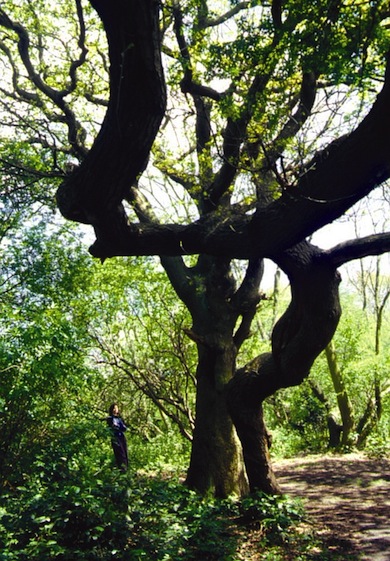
(298, 338)
(216, 464)
(247, 415)
(94, 192)
(216, 304)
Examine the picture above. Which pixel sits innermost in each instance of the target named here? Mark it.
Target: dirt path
(347, 499)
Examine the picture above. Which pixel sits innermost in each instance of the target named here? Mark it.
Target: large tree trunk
(300, 335)
(216, 459)
(215, 303)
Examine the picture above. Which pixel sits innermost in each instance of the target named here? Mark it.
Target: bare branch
(359, 248)
(76, 133)
(239, 7)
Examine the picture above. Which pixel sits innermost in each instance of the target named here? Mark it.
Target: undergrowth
(128, 517)
(78, 507)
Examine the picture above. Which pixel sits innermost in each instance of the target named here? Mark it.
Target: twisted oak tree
(248, 99)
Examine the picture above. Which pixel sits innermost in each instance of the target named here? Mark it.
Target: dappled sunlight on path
(347, 498)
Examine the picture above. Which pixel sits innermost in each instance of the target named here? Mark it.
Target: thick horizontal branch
(234, 240)
(357, 249)
(176, 239)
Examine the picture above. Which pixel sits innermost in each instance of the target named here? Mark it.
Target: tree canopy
(248, 78)
(281, 58)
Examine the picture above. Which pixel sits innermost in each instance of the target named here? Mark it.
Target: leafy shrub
(117, 517)
(68, 512)
(276, 514)
(378, 444)
(167, 452)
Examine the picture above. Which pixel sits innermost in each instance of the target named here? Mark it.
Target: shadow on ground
(346, 497)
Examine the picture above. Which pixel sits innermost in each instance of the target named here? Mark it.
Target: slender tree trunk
(335, 429)
(343, 401)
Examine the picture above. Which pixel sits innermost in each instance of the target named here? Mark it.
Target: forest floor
(347, 503)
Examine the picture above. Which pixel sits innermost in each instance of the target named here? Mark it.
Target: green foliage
(43, 368)
(69, 509)
(167, 452)
(297, 422)
(378, 442)
(276, 514)
(138, 331)
(298, 419)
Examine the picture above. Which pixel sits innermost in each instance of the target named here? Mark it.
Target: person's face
(115, 410)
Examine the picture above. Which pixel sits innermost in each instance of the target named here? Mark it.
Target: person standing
(118, 438)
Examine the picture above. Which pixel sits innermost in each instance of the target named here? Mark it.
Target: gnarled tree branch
(298, 338)
(94, 193)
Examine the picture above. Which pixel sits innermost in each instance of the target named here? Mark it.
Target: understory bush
(71, 511)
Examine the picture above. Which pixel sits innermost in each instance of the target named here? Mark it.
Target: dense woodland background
(77, 334)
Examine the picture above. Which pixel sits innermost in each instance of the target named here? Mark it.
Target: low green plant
(165, 453)
(115, 517)
(378, 445)
(276, 514)
(69, 510)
